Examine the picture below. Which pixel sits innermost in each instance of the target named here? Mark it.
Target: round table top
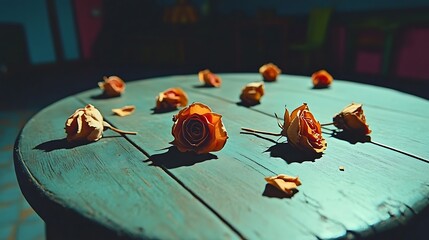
(139, 186)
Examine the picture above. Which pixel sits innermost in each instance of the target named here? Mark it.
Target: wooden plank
(388, 128)
(211, 177)
(377, 184)
(107, 183)
(382, 106)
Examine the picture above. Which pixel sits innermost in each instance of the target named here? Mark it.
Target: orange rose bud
(112, 86)
(269, 72)
(303, 131)
(171, 98)
(209, 78)
(252, 93)
(284, 183)
(321, 79)
(352, 119)
(85, 124)
(197, 129)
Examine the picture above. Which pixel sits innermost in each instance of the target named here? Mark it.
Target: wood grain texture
(379, 189)
(107, 183)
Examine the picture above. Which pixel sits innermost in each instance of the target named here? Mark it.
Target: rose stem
(262, 132)
(400, 151)
(118, 130)
(326, 124)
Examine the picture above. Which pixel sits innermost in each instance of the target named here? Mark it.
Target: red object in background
(89, 21)
(368, 62)
(369, 51)
(413, 54)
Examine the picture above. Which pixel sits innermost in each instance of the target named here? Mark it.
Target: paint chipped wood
(140, 186)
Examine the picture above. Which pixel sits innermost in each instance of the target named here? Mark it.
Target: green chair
(312, 48)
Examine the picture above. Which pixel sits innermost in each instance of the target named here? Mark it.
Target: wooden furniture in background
(310, 52)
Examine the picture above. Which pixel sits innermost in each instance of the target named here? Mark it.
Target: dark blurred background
(50, 49)
(59, 47)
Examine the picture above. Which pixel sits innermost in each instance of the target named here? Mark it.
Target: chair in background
(13, 46)
(309, 55)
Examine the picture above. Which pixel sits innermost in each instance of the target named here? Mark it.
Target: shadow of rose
(57, 144)
(351, 138)
(62, 143)
(173, 158)
(102, 96)
(259, 136)
(203, 86)
(272, 192)
(290, 154)
(320, 87)
(247, 105)
(159, 111)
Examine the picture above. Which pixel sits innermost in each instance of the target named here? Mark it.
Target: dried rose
(112, 86)
(209, 78)
(87, 125)
(196, 128)
(252, 93)
(269, 72)
(303, 131)
(321, 79)
(352, 119)
(171, 99)
(284, 183)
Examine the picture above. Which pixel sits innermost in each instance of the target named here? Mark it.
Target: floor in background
(17, 218)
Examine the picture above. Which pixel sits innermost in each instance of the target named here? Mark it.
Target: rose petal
(293, 132)
(93, 127)
(199, 108)
(219, 134)
(284, 183)
(124, 111)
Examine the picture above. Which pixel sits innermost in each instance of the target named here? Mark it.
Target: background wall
(34, 17)
(51, 32)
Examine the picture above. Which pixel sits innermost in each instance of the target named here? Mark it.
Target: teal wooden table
(139, 186)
